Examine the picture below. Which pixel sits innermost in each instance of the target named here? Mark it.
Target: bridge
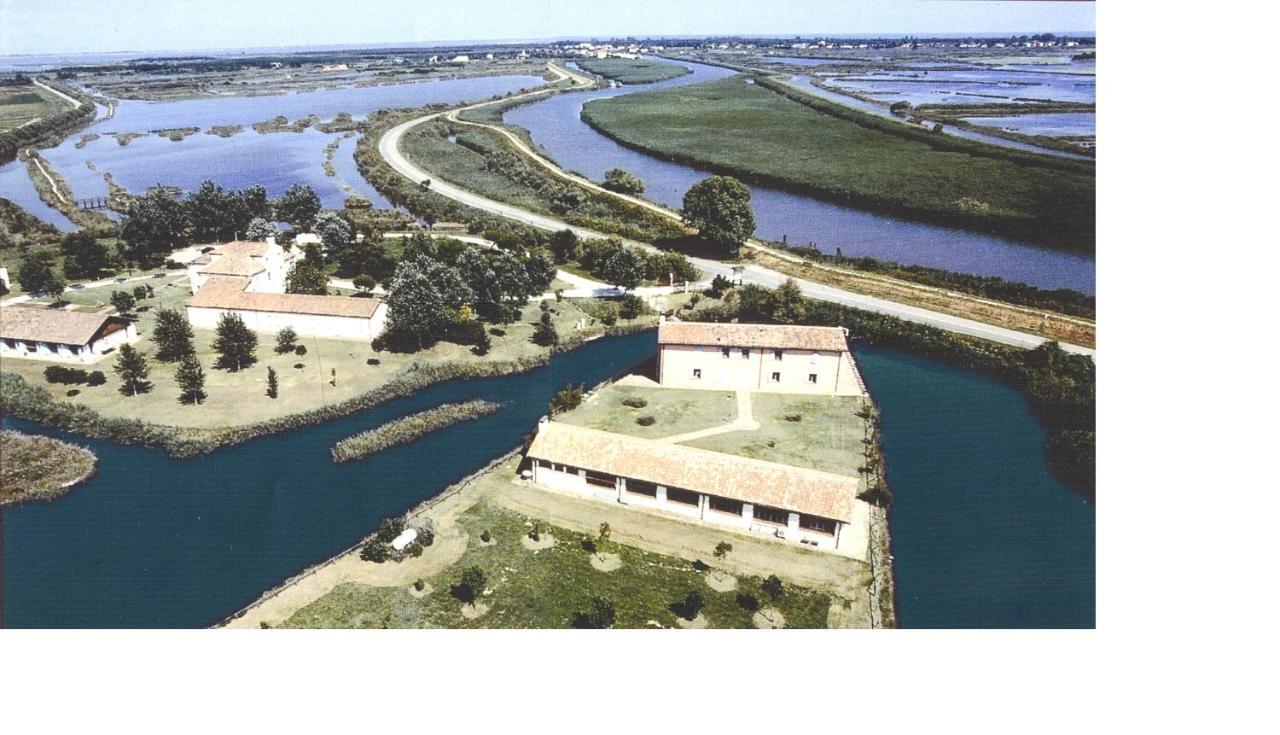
(94, 203)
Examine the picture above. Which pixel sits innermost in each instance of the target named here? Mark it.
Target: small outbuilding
(41, 333)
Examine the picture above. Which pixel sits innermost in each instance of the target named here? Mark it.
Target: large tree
(84, 256)
(619, 180)
(190, 377)
(720, 208)
(235, 343)
(498, 280)
(173, 336)
(788, 303)
(36, 273)
(132, 368)
(307, 278)
(260, 229)
(625, 268)
(424, 301)
(298, 206)
(154, 224)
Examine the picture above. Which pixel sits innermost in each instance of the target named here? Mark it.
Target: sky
(83, 26)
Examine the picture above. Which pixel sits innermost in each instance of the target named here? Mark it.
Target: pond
(555, 125)
(982, 534)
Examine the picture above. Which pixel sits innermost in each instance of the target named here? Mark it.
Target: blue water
(15, 185)
(1043, 123)
(971, 86)
(982, 535)
(556, 126)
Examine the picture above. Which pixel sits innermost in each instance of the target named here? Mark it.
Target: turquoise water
(982, 535)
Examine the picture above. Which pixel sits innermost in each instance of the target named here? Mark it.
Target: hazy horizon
(79, 27)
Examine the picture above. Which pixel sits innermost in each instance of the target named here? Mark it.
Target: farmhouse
(776, 358)
(64, 336)
(248, 279)
(796, 504)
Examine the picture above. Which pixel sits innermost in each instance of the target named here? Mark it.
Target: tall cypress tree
(273, 383)
(235, 343)
(132, 368)
(173, 336)
(190, 378)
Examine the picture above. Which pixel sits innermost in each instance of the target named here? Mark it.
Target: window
(813, 378)
(821, 525)
(771, 515)
(724, 505)
(724, 351)
(640, 487)
(777, 354)
(677, 495)
(697, 373)
(600, 479)
(775, 377)
(746, 353)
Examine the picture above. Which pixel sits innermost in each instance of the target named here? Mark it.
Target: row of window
(773, 377)
(745, 353)
(14, 344)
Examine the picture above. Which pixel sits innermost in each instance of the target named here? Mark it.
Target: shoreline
(61, 453)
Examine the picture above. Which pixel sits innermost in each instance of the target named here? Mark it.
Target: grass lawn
(827, 437)
(674, 411)
(546, 588)
(239, 398)
(743, 128)
(633, 71)
(20, 105)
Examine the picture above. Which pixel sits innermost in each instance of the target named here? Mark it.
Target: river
(555, 124)
(982, 534)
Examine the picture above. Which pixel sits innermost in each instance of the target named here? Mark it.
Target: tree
(625, 268)
(235, 343)
(84, 256)
(123, 301)
(901, 107)
(598, 617)
(260, 229)
(307, 278)
(630, 306)
(788, 303)
(190, 377)
(498, 280)
(154, 224)
(132, 368)
(718, 286)
(566, 399)
(772, 586)
(722, 549)
(173, 336)
(336, 233)
(720, 208)
(541, 270)
(424, 302)
(286, 340)
(273, 383)
(36, 273)
(211, 212)
(616, 179)
(564, 246)
(470, 586)
(690, 606)
(298, 206)
(544, 332)
(364, 282)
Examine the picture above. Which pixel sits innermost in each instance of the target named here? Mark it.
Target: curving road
(389, 149)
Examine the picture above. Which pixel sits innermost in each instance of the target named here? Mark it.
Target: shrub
(535, 533)
(73, 393)
(419, 585)
(373, 361)
(470, 585)
(388, 529)
(299, 365)
(630, 306)
(772, 586)
(97, 377)
(485, 536)
(793, 417)
(427, 537)
(750, 603)
(701, 566)
(286, 341)
(646, 420)
(66, 375)
(600, 616)
(690, 606)
(414, 549)
(588, 546)
(375, 551)
(300, 350)
(566, 399)
(722, 549)
(635, 402)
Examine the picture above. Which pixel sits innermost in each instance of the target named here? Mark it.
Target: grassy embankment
(334, 378)
(409, 428)
(645, 568)
(56, 192)
(764, 131)
(40, 468)
(22, 105)
(633, 71)
(49, 129)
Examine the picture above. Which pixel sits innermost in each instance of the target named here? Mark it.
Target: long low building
(774, 358)
(41, 333)
(804, 506)
(341, 317)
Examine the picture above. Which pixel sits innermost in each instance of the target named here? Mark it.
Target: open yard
(739, 126)
(633, 71)
(331, 371)
(648, 566)
(674, 411)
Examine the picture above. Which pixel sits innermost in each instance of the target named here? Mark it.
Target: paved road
(74, 102)
(389, 149)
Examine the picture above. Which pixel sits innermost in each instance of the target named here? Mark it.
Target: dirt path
(745, 421)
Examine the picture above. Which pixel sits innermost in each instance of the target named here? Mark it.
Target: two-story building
(777, 358)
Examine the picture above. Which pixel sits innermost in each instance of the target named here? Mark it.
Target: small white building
(774, 358)
(4, 278)
(265, 264)
(41, 333)
(795, 504)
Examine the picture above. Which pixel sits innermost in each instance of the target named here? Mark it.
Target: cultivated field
(633, 71)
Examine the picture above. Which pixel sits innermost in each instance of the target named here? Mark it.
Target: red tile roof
(762, 336)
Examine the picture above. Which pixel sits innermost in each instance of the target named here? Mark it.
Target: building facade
(793, 504)
(57, 335)
(759, 357)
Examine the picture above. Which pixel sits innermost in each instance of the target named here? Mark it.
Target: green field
(674, 411)
(737, 125)
(633, 71)
(546, 588)
(20, 105)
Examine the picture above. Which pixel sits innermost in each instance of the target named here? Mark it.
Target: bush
(588, 546)
(772, 586)
(485, 536)
(630, 306)
(299, 365)
(566, 399)
(375, 551)
(373, 361)
(73, 393)
(388, 529)
(97, 377)
(793, 417)
(419, 585)
(300, 350)
(646, 420)
(535, 533)
(635, 402)
(66, 375)
(750, 603)
(690, 606)
(470, 586)
(427, 537)
(600, 616)
(701, 566)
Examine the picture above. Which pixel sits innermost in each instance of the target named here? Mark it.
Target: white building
(796, 504)
(4, 278)
(58, 335)
(774, 358)
(248, 279)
